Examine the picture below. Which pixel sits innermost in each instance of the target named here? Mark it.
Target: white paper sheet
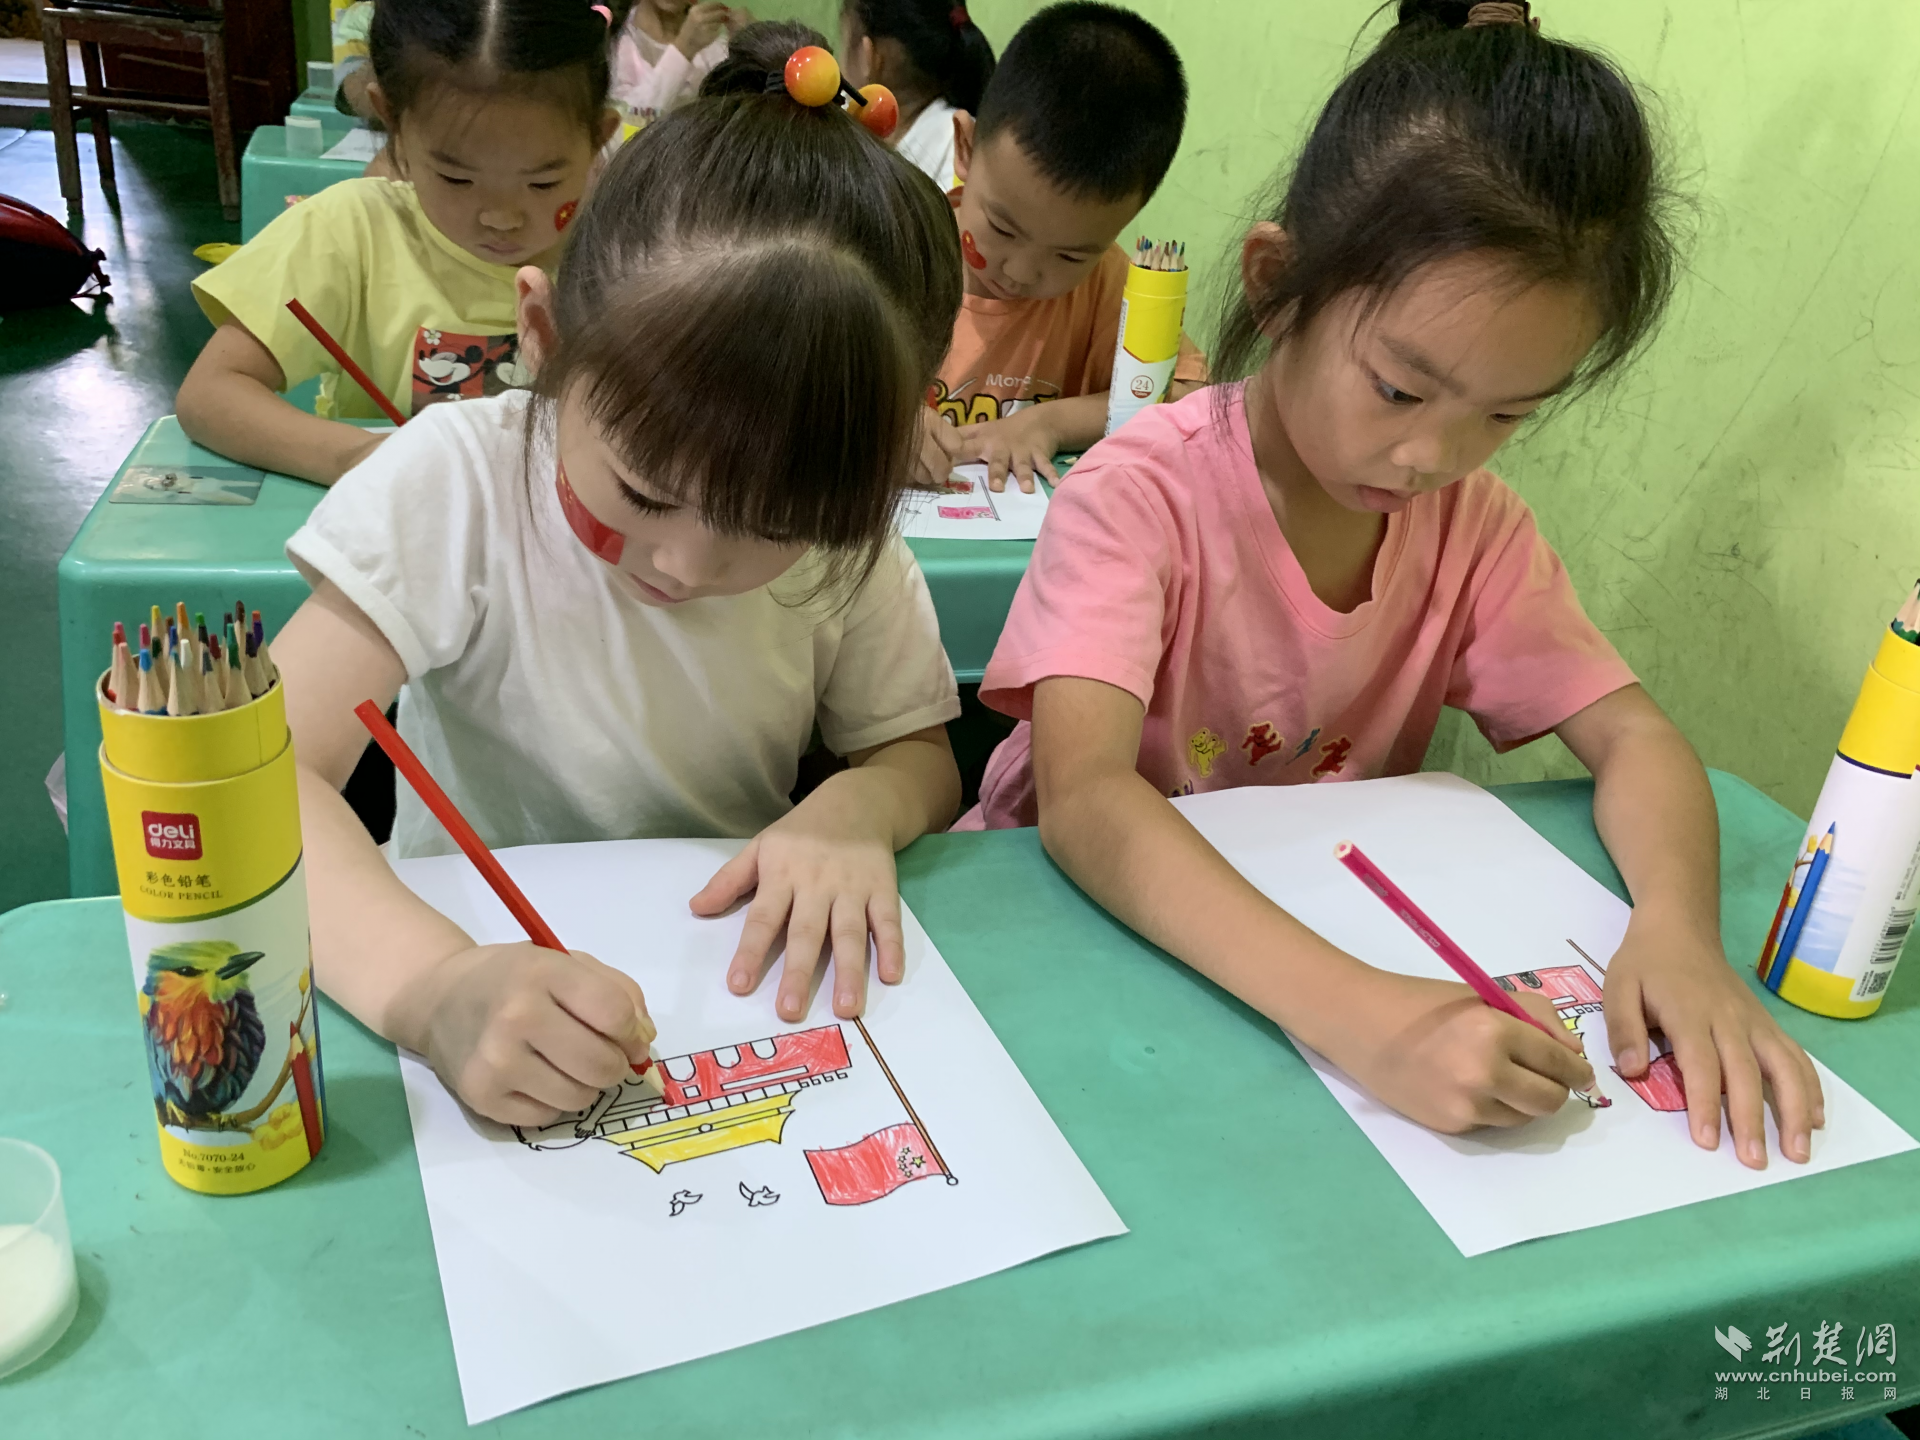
(577, 1264)
(1515, 904)
(968, 510)
(358, 144)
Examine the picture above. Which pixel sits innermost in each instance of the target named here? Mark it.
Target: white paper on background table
(789, 1187)
(968, 510)
(358, 144)
(1526, 912)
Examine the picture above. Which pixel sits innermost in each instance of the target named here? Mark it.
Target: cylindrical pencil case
(205, 816)
(1850, 900)
(1152, 309)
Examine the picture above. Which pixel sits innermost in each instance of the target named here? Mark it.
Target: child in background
(619, 606)
(665, 49)
(496, 111)
(933, 58)
(353, 74)
(1283, 581)
(1077, 127)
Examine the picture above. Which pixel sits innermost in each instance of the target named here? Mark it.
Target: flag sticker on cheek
(972, 251)
(603, 541)
(563, 217)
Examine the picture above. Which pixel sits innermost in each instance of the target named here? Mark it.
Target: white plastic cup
(38, 1291)
(304, 137)
(320, 75)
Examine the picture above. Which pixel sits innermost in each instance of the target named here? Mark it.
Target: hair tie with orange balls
(812, 77)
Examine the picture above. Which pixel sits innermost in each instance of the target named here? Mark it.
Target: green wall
(1739, 512)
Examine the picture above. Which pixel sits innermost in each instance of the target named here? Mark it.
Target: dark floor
(76, 390)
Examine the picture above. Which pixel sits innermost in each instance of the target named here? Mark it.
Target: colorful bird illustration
(204, 1036)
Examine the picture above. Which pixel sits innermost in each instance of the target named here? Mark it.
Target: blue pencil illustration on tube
(1797, 922)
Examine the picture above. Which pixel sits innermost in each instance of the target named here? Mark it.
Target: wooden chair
(194, 27)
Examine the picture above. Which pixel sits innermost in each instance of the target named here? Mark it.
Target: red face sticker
(563, 217)
(972, 251)
(602, 540)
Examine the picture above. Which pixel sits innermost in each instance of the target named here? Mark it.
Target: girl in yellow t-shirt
(496, 111)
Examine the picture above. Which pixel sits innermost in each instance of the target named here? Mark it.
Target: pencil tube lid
(177, 749)
(1884, 729)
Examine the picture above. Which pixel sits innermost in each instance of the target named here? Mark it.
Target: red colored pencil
(444, 810)
(1418, 921)
(332, 347)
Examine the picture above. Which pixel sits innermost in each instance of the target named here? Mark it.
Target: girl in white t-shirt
(934, 59)
(619, 605)
(665, 49)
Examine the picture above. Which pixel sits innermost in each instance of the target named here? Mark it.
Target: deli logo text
(171, 837)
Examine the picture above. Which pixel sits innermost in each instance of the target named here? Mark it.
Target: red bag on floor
(40, 263)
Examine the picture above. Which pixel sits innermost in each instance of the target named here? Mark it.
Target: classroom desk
(127, 557)
(1278, 1280)
(268, 175)
(318, 103)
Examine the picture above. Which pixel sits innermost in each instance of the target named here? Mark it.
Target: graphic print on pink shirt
(1162, 571)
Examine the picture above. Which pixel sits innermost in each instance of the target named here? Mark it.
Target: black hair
(751, 305)
(757, 51)
(556, 49)
(1450, 139)
(1094, 95)
(949, 55)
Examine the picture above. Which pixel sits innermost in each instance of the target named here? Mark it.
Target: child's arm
(521, 1034)
(1430, 1049)
(824, 873)
(1655, 811)
(229, 402)
(1023, 445)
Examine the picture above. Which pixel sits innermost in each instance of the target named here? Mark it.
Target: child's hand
(1023, 445)
(824, 874)
(738, 18)
(939, 444)
(700, 27)
(1438, 1054)
(525, 1035)
(1669, 978)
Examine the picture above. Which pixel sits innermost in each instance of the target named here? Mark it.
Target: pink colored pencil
(1418, 921)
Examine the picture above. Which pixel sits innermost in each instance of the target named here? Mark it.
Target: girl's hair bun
(1456, 14)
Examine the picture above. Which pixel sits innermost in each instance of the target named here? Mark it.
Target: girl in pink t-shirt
(1283, 581)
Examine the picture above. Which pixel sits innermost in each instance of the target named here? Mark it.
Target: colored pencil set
(1160, 255)
(186, 669)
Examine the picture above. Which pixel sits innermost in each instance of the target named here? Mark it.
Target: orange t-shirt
(1008, 354)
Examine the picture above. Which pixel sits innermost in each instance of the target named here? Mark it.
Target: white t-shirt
(928, 143)
(551, 704)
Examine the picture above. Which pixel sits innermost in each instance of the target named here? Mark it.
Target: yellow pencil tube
(205, 817)
(1860, 916)
(1152, 309)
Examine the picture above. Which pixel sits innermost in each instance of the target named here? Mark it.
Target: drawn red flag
(874, 1167)
(1662, 1086)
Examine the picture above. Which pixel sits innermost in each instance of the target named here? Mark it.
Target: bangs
(769, 387)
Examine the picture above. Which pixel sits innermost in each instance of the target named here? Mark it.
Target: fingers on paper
(807, 935)
(1746, 1106)
(759, 938)
(730, 882)
(1798, 1104)
(1699, 1062)
(1627, 1026)
(849, 935)
(889, 939)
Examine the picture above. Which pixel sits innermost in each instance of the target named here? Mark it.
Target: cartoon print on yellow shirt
(957, 408)
(1203, 748)
(450, 366)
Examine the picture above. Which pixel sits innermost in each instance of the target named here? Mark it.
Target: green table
(268, 175)
(318, 103)
(127, 557)
(1294, 1289)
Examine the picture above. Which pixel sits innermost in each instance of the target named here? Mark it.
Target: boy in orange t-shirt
(1077, 127)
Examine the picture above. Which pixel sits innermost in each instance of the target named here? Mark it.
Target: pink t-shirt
(1162, 571)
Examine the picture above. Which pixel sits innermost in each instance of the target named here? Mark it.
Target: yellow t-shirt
(425, 319)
